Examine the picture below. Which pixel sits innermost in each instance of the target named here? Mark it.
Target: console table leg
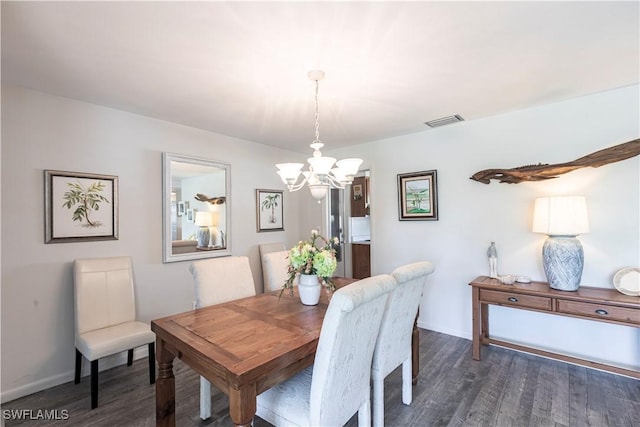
(477, 318)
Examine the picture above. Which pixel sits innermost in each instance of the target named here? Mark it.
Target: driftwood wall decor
(541, 171)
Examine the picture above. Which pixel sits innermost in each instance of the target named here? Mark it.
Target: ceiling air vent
(444, 121)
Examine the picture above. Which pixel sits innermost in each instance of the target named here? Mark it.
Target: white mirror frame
(167, 253)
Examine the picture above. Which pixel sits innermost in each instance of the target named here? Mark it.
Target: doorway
(349, 220)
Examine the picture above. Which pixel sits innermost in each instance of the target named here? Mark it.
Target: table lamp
(203, 221)
(562, 219)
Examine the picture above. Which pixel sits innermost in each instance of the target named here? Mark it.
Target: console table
(599, 304)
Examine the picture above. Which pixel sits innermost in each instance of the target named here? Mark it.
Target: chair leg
(205, 398)
(378, 401)
(407, 386)
(364, 414)
(94, 384)
(130, 357)
(76, 379)
(152, 363)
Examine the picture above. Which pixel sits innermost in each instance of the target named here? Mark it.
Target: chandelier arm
(334, 182)
(296, 187)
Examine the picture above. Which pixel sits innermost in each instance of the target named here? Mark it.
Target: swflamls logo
(35, 414)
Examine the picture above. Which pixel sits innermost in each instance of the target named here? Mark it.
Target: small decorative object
(523, 279)
(627, 281)
(313, 257)
(507, 279)
(418, 196)
(80, 207)
(492, 253)
(562, 219)
(269, 210)
(541, 171)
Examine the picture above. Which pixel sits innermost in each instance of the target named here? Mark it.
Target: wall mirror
(196, 208)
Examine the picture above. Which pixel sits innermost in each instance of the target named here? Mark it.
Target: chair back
(218, 280)
(267, 248)
(103, 292)
(394, 339)
(342, 369)
(275, 266)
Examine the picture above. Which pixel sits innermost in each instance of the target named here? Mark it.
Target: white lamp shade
(560, 216)
(289, 172)
(321, 165)
(204, 219)
(339, 175)
(349, 166)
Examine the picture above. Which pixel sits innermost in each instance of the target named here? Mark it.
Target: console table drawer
(519, 300)
(599, 311)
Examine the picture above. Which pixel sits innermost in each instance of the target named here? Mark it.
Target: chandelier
(322, 175)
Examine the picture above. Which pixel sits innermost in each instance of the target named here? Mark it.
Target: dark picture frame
(418, 196)
(80, 207)
(269, 210)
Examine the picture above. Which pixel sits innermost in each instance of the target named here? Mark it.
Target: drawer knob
(601, 312)
(513, 299)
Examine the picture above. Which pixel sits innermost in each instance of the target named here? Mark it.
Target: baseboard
(444, 330)
(65, 377)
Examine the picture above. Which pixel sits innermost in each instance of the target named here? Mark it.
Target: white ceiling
(240, 68)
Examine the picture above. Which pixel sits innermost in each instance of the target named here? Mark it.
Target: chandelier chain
(317, 115)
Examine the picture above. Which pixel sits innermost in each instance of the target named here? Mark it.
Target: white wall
(474, 214)
(41, 132)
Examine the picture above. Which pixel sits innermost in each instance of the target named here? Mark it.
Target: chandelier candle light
(321, 174)
(562, 219)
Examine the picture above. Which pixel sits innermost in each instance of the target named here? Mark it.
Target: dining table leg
(242, 405)
(165, 387)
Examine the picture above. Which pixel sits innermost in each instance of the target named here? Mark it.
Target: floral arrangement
(314, 256)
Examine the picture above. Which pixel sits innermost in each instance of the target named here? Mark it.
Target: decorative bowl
(507, 279)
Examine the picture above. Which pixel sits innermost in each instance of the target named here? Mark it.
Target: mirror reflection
(196, 208)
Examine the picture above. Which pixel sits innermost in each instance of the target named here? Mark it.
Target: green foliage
(310, 257)
(85, 199)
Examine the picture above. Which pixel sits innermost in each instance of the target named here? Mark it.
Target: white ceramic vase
(309, 289)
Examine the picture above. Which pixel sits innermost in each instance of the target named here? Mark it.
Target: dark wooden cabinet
(359, 196)
(361, 260)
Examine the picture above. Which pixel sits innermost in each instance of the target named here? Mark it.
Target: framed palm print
(418, 196)
(80, 207)
(269, 210)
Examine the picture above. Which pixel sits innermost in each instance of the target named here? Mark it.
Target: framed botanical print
(418, 196)
(80, 207)
(269, 210)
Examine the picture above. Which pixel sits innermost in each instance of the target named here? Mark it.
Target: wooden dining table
(242, 347)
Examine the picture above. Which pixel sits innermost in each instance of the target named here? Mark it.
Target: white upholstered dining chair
(275, 266)
(337, 386)
(219, 280)
(105, 316)
(267, 248)
(393, 347)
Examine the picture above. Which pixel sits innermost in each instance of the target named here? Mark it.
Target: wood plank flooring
(506, 388)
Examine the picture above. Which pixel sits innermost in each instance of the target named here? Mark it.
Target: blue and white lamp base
(203, 235)
(563, 261)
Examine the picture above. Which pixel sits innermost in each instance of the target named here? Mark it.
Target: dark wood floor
(506, 388)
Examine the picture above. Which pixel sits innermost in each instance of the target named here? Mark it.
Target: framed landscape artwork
(418, 196)
(80, 207)
(269, 210)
